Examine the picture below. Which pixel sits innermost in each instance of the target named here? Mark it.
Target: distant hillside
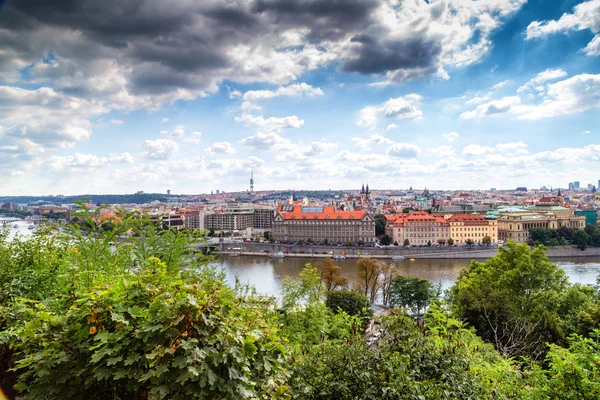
(94, 198)
(300, 194)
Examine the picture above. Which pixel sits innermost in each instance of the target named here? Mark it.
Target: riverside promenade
(444, 252)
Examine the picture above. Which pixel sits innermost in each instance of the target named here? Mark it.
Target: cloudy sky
(116, 96)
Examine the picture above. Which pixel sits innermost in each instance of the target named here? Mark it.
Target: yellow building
(472, 226)
(514, 223)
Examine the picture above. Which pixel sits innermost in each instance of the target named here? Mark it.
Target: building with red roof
(420, 228)
(294, 223)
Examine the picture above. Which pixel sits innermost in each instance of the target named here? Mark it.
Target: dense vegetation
(86, 315)
(582, 238)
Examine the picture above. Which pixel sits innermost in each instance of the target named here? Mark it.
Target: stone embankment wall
(385, 252)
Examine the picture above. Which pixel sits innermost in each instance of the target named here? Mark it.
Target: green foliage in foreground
(92, 315)
(350, 302)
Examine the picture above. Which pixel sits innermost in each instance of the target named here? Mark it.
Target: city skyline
(312, 94)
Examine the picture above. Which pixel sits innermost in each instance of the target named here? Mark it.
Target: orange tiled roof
(468, 218)
(418, 216)
(328, 213)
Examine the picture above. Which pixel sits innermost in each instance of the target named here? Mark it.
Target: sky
(117, 96)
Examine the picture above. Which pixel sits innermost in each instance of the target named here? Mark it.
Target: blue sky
(308, 94)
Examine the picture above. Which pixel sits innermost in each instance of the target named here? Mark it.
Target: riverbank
(476, 252)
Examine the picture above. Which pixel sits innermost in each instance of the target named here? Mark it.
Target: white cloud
(585, 15)
(544, 76)
(391, 127)
(500, 85)
(271, 124)
(373, 140)
(493, 107)
(404, 107)
(117, 121)
(249, 106)
(160, 149)
(478, 100)
(179, 131)
(570, 96)
(593, 47)
(442, 151)
(452, 136)
(79, 160)
(269, 141)
(165, 119)
(403, 150)
(517, 147)
(586, 132)
(294, 90)
(193, 138)
(234, 94)
(476, 150)
(220, 148)
(317, 148)
(368, 117)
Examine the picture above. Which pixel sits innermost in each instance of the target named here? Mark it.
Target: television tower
(251, 181)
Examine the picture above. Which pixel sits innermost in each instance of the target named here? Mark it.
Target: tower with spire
(251, 181)
(365, 195)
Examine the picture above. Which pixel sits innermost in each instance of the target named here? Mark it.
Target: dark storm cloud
(326, 19)
(375, 56)
(168, 45)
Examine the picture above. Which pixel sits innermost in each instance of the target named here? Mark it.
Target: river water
(266, 274)
(21, 229)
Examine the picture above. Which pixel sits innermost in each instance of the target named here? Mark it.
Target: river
(21, 229)
(266, 274)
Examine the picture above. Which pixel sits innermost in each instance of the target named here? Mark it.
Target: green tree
(145, 334)
(595, 239)
(513, 300)
(469, 242)
(450, 242)
(429, 243)
(573, 372)
(107, 318)
(350, 302)
(589, 229)
(386, 240)
(406, 242)
(580, 239)
(415, 294)
(441, 242)
(380, 222)
(486, 240)
(442, 360)
(539, 236)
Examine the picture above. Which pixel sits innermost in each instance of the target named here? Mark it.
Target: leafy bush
(350, 302)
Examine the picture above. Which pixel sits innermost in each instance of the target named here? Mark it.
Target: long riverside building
(293, 223)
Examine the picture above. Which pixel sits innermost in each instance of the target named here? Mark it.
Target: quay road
(444, 252)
